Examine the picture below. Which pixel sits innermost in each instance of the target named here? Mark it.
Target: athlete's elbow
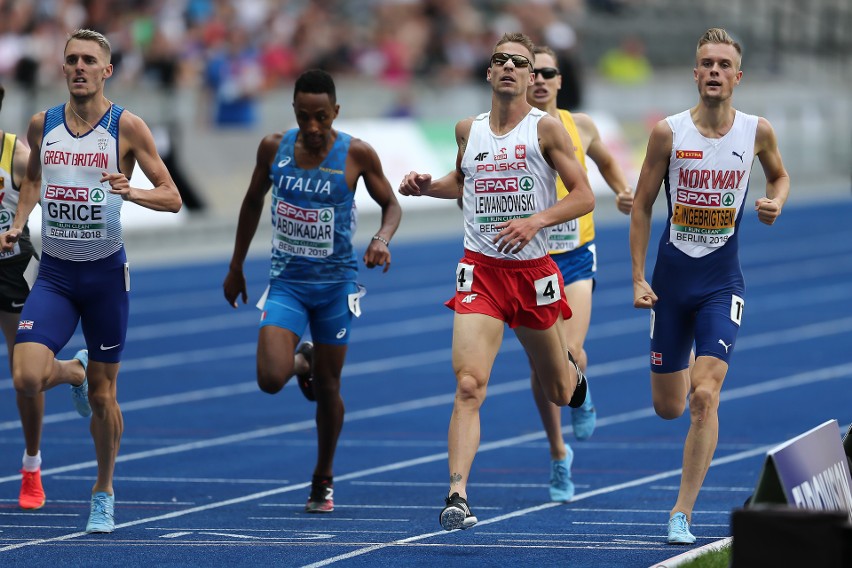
(588, 202)
(175, 204)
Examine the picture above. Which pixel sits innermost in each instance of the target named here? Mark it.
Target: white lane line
(146, 479)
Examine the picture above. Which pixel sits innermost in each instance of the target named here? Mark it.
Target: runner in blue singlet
(313, 171)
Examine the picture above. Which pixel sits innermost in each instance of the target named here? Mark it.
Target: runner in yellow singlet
(572, 247)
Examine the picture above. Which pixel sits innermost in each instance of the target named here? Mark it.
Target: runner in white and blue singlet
(83, 154)
(18, 269)
(703, 157)
(313, 171)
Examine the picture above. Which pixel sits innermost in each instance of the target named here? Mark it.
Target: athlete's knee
(268, 381)
(668, 407)
(327, 388)
(101, 400)
(28, 380)
(27, 385)
(470, 389)
(702, 401)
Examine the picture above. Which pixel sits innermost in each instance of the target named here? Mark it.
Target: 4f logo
(481, 156)
(469, 299)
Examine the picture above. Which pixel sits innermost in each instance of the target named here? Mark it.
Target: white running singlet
(81, 219)
(707, 183)
(505, 177)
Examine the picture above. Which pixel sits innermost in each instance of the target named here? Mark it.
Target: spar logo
(63, 193)
(706, 199)
(97, 194)
(5, 217)
(700, 198)
(310, 215)
(496, 185)
(689, 154)
(527, 183)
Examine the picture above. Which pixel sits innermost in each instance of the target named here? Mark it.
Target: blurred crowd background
(195, 66)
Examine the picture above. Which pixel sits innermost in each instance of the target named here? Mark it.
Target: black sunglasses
(547, 72)
(517, 60)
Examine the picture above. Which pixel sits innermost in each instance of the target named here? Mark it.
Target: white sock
(32, 463)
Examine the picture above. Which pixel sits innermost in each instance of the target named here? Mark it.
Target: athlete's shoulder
(360, 150)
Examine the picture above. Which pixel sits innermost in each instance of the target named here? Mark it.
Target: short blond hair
(719, 36)
(91, 35)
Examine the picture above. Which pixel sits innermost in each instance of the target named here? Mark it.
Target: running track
(214, 473)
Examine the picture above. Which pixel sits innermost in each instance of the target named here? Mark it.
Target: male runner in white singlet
(703, 156)
(82, 157)
(505, 173)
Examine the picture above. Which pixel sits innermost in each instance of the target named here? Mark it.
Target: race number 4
(547, 290)
(737, 305)
(464, 277)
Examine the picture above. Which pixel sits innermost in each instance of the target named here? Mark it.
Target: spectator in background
(626, 63)
(235, 81)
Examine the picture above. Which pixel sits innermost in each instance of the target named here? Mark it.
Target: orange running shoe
(32, 493)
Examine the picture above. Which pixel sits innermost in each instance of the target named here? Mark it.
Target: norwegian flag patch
(656, 358)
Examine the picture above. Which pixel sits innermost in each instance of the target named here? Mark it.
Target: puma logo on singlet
(722, 343)
(740, 156)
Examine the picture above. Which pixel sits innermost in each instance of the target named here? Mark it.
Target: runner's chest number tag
(464, 277)
(547, 290)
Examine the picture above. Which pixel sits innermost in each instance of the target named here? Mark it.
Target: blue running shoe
(561, 486)
(80, 394)
(584, 418)
(679, 530)
(457, 514)
(101, 515)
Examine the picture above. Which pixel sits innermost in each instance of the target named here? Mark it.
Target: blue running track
(214, 473)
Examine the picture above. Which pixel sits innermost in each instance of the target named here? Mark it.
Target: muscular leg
(707, 375)
(579, 295)
(30, 408)
(547, 350)
(328, 366)
(476, 341)
(35, 370)
(276, 362)
(107, 423)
